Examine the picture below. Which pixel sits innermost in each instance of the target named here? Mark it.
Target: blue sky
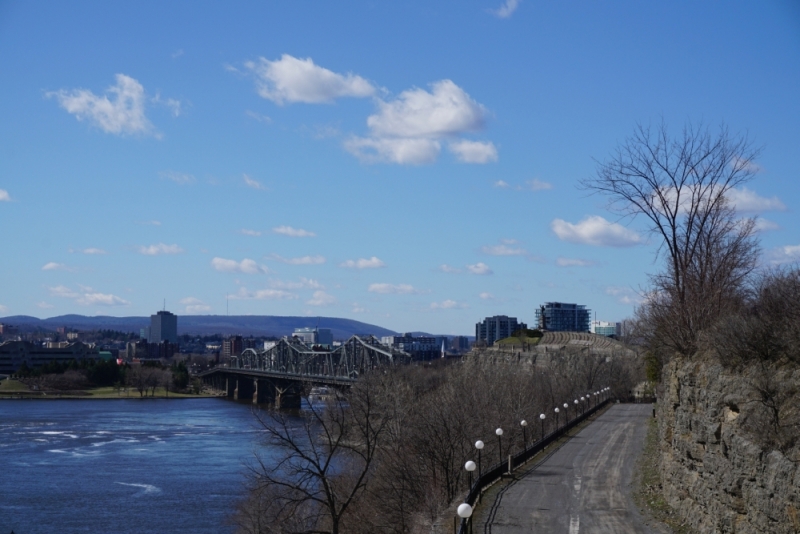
(408, 164)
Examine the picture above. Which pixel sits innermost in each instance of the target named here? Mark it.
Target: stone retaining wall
(714, 473)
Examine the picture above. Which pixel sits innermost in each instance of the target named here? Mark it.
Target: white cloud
(63, 292)
(486, 296)
(161, 248)
(785, 254)
(357, 308)
(400, 151)
(624, 295)
(447, 305)
(255, 184)
(303, 260)
(530, 185)
(393, 289)
(449, 269)
(94, 251)
(507, 241)
(88, 297)
(253, 233)
(505, 11)
(290, 79)
(362, 263)
(745, 200)
(573, 262)
(181, 178)
(53, 266)
(595, 230)
(292, 232)
(175, 106)
(407, 130)
(321, 298)
(763, 225)
(258, 116)
(307, 283)
(101, 299)
(474, 151)
(479, 268)
(246, 266)
(194, 305)
(444, 111)
(538, 185)
(43, 305)
(3, 309)
(122, 114)
(264, 294)
(4, 196)
(503, 250)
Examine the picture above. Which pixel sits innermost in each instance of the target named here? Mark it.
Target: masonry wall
(716, 473)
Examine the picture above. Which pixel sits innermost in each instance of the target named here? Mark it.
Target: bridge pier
(264, 393)
(244, 389)
(289, 397)
(230, 387)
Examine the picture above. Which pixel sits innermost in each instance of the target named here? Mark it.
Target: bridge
(282, 374)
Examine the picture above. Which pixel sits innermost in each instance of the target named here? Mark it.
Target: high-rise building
(420, 348)
(605, 328)
(314, 336)
(563, 317)
(498, 327)
(233, 346)
(163, 327)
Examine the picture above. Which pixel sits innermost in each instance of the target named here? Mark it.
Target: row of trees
(391, 459)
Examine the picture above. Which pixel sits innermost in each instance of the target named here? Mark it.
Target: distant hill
(256, 325)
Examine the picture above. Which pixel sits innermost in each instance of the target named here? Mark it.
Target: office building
(498, 327)
(163, 327)
(233, 346)
(420, 348)
(14, 353)
(563, 317)
(314, 336)
(605, 328)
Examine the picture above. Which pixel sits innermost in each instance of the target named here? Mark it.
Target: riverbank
(15, 390)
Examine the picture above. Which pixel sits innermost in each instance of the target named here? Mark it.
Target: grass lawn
(9, 386)
(12, 386)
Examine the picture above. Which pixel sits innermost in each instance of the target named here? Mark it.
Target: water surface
(122, 466)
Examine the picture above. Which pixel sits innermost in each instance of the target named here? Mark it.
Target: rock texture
(717, 472)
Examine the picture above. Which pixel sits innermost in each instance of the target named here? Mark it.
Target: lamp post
(479, 446)
(464, 511)
(556, 410)
(566, 410)
(541, 417)
(576, 408)
(524, 425)
(582, 399)
(470, 467)
(499, 433)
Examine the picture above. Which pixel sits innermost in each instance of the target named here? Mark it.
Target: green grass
(17, 387)
(12, 386)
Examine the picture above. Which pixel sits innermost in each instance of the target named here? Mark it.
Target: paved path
(584, 486)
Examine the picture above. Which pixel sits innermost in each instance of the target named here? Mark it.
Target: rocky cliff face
(722, 468)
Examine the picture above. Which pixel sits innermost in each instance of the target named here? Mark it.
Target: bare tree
(323, 465)
(682, 186)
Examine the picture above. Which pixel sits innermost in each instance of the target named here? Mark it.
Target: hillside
(257, 325)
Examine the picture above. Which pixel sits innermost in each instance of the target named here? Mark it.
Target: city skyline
(412, 166)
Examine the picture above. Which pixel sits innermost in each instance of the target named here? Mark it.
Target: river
(122, 466)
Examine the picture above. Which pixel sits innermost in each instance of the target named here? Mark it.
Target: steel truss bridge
(279, 375)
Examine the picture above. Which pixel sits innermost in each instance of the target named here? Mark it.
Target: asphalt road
(583, 487)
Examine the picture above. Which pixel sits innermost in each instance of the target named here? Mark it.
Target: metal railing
(495, 472)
